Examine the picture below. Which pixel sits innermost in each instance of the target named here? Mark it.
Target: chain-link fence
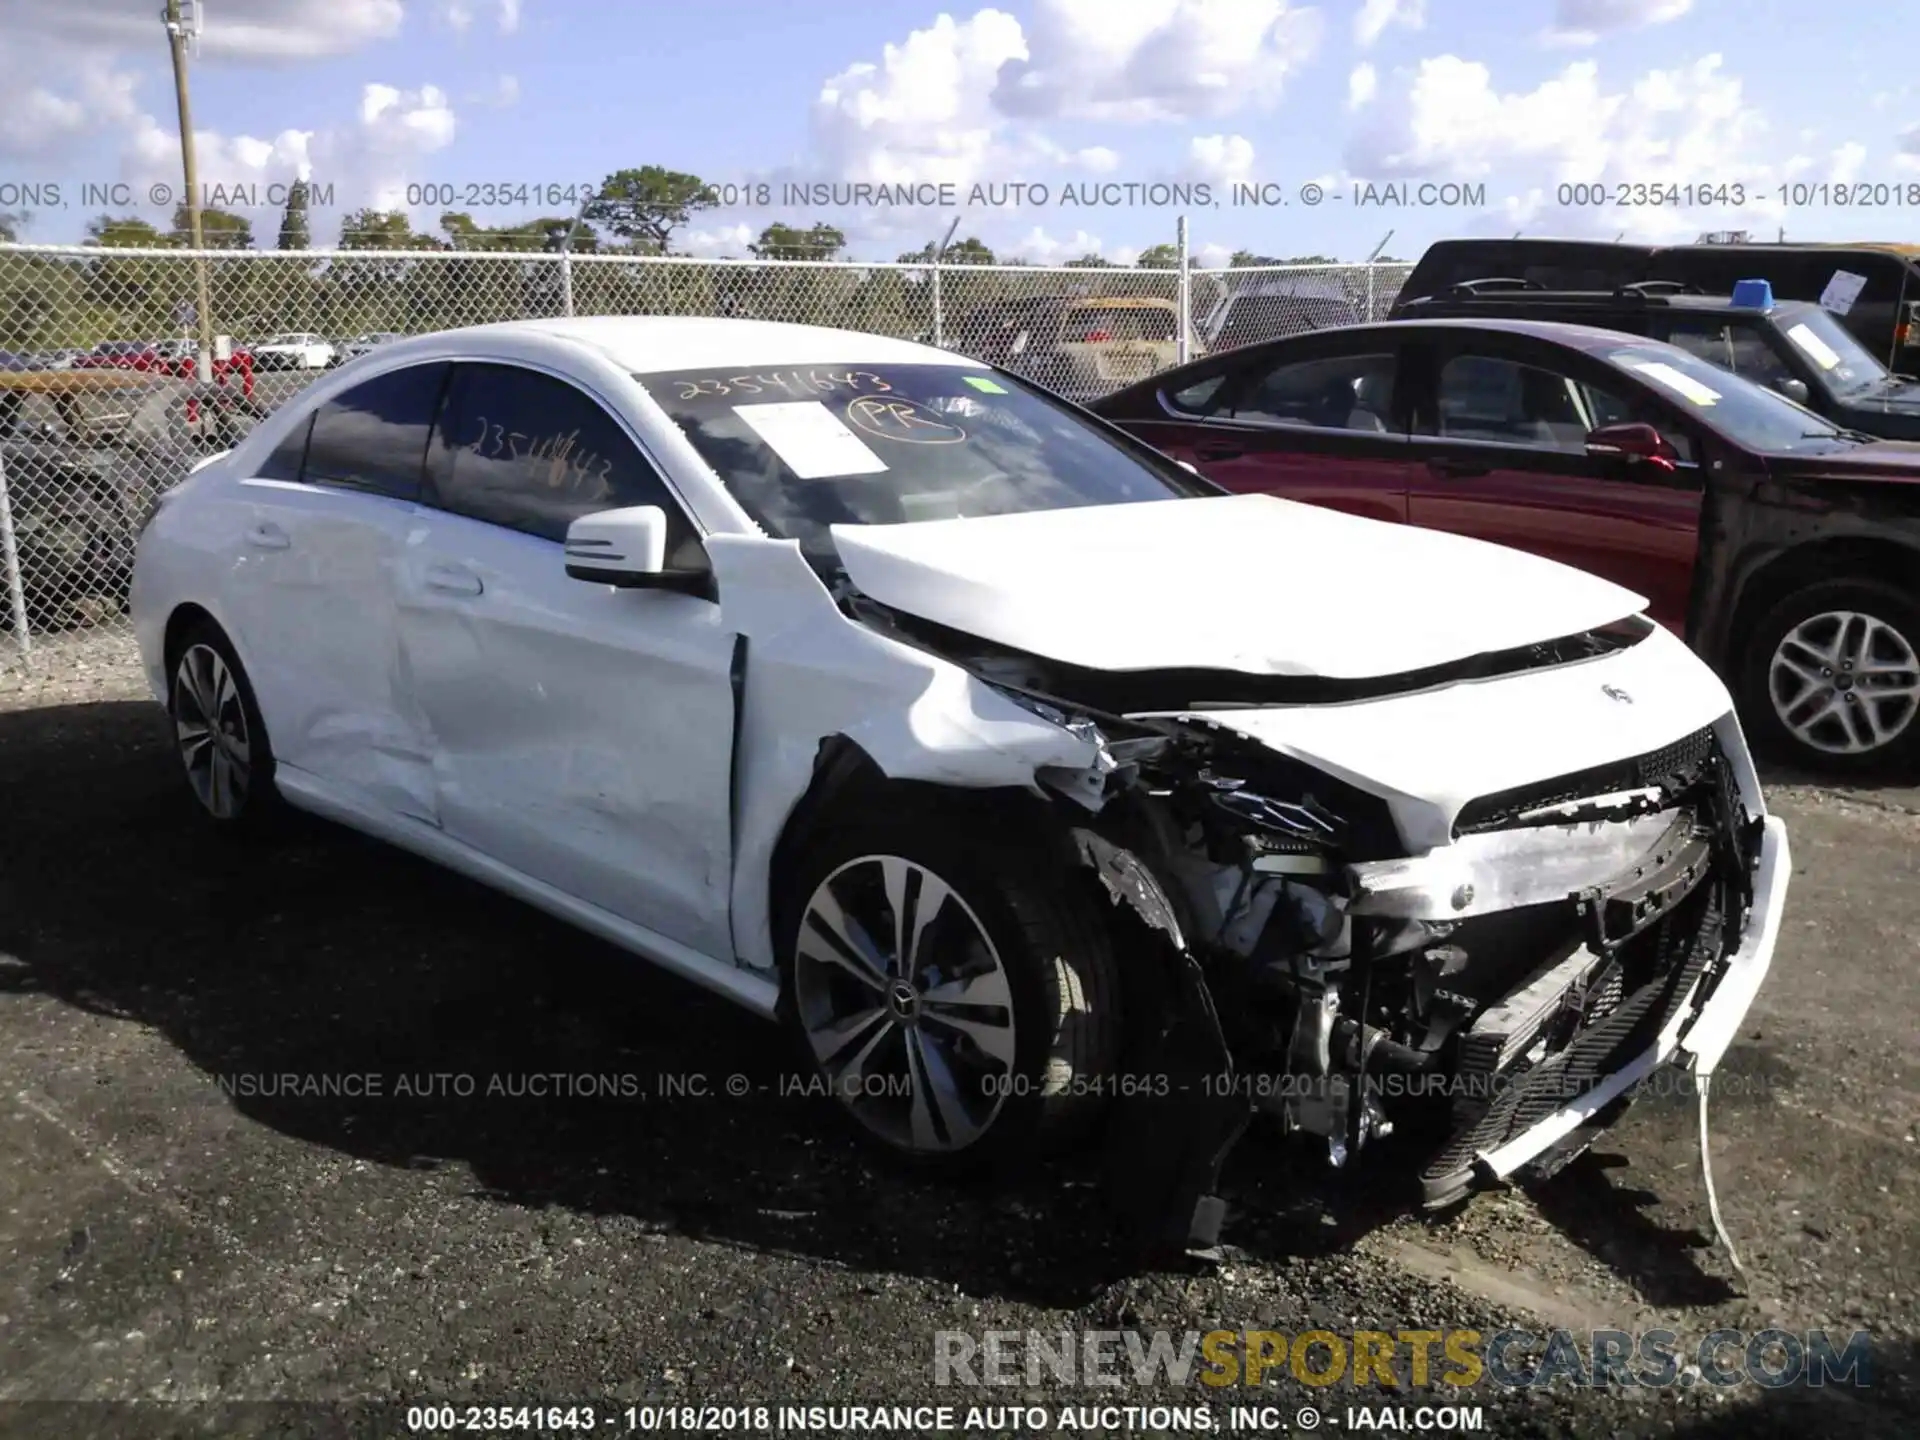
(100, 408)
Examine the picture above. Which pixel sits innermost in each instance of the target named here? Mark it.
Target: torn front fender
(812, 673)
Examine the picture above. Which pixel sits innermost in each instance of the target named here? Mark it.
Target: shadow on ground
(556, 1070)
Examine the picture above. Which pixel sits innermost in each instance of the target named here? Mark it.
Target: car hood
(1897, 460)
(1246, 583)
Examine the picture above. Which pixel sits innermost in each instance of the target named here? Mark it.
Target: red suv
(1785, 548)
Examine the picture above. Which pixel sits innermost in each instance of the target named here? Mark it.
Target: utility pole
(177, 39)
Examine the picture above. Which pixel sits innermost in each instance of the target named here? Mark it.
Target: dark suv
(1795, 347)
(1874, 288)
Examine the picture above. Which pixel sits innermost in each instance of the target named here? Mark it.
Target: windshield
(1843, 363)
(805, 448)
(1754, 417)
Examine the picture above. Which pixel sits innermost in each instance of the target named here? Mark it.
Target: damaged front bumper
(1552, 960)
(1696, 1036)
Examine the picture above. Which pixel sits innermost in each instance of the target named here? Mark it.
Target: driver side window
(531, 452)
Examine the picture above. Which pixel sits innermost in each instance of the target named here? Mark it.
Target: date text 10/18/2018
(920, 1419)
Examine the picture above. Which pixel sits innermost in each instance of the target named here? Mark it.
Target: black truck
(1871, 288)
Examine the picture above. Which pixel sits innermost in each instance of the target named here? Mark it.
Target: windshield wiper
(1857, 437)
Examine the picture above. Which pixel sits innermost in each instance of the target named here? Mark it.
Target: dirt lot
(166, 1234)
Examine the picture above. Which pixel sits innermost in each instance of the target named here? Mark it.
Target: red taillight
(1100, 337)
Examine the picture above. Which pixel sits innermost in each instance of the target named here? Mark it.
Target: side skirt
(752, 991)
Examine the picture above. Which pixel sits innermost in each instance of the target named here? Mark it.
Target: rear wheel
(1831, 677)
(960, 1006)
(218, 732)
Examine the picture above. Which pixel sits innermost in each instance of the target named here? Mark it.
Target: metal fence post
(1183, 344)
(566, 284)
(10, 557)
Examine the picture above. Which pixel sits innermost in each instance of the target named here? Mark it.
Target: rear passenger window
(534, 453)
(374, 437)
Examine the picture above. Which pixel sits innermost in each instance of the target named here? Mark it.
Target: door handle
(268, 536)
(1457, 468)
(1219, 450)
(453, 580)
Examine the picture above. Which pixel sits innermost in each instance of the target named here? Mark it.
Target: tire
(938, 1095)
(1812, 648)
(205, 674)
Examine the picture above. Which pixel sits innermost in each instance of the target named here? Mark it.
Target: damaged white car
(1027, 777)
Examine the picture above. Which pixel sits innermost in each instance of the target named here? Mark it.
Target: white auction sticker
(1824, 355)
(1679, 382)
(813, 441)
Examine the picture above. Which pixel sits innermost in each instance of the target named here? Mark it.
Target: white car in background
(1017, 771)
(296, 351)
(364, 344)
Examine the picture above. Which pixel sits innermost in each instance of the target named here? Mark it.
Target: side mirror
(1636, 444)
(628, 548)
(1794, 390)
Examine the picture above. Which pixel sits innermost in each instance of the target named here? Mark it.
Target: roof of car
(1580, 337)
(1600, 299)
(642, 343)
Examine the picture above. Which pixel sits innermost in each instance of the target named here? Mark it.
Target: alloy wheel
(210, 723)
(905, 1003)
(1845, 683)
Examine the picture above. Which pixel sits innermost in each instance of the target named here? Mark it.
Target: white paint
(813, 441)
(1249, 583)
(1493, 735)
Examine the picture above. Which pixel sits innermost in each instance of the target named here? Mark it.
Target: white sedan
(1021, 773)
(298, 351)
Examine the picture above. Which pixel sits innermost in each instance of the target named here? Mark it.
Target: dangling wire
(1706, 1171)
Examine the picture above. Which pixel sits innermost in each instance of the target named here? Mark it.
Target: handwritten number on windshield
(805, 384)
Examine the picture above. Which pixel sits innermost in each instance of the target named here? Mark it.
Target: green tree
(12, 222)
(370, 229)
(296, 231)
(970, 251)
(1091, 261)
(124, 232)
(645, 206)
(789, 242)
(1159, 257)
(219, 229)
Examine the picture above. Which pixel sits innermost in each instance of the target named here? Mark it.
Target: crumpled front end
(1363, 949)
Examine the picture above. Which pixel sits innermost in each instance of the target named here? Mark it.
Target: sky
(1417, 119)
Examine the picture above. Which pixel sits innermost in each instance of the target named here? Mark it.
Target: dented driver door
(581, 734)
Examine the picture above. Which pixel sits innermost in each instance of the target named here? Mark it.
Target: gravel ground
(164, 1234)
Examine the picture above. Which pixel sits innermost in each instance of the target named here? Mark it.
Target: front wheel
(956, 998)
(1831, 677)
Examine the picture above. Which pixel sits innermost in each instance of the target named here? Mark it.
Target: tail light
(1100, 337)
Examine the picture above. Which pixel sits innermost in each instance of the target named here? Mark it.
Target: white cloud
(1220, 159)
(921, 112)
(503, 94)
(38, 122)
(455, 15)
(1044, 248)
(956, 102)
(368, 162)
(260, 30)
(1137, 60)
(1376, 15)
(1585, 22)
(721, 242)
(1687, 126)
(1362, 85)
